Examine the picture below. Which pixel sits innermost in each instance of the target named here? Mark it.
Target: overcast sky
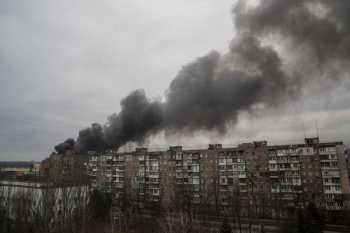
(65, 65)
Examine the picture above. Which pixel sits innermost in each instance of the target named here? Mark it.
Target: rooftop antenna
(303, 129)
(316, 127)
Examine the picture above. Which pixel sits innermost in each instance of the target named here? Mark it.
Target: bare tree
(206, 193)
(175, 222)
(235, 201)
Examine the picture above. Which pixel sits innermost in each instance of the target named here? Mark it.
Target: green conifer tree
(262, 229)
(316, 219)
(310, 220)
(225, 226)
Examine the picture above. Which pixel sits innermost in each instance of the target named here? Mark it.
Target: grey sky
(65, 65)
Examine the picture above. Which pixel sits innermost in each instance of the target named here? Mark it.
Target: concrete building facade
(270, 177)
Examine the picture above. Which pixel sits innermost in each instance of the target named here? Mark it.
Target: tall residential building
(274, 178)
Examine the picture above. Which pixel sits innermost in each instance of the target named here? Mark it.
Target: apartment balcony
(152, 182)
(286, 190)
(327, 175)
(288, 198)
(277, 190)
(284, 169)
(330, 168)
(153, 176)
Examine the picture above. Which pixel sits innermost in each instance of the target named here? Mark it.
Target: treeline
(64, 206)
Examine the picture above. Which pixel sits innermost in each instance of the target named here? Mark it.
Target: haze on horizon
(65, 65)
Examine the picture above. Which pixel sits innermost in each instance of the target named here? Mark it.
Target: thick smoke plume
(281, 46)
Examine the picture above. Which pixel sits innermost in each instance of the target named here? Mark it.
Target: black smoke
(280, 48)
(66, 145)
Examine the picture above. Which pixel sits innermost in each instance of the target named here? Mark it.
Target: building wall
(293, 174)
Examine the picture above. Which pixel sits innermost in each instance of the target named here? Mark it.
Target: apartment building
(272, 177)
(68, 166)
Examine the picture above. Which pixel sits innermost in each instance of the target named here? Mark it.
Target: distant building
(15, 171)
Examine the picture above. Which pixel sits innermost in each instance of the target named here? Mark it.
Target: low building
(46, 204)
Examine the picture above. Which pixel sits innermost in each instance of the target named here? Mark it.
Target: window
(330, 203)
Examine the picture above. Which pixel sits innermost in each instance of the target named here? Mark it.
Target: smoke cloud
(280, 48)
